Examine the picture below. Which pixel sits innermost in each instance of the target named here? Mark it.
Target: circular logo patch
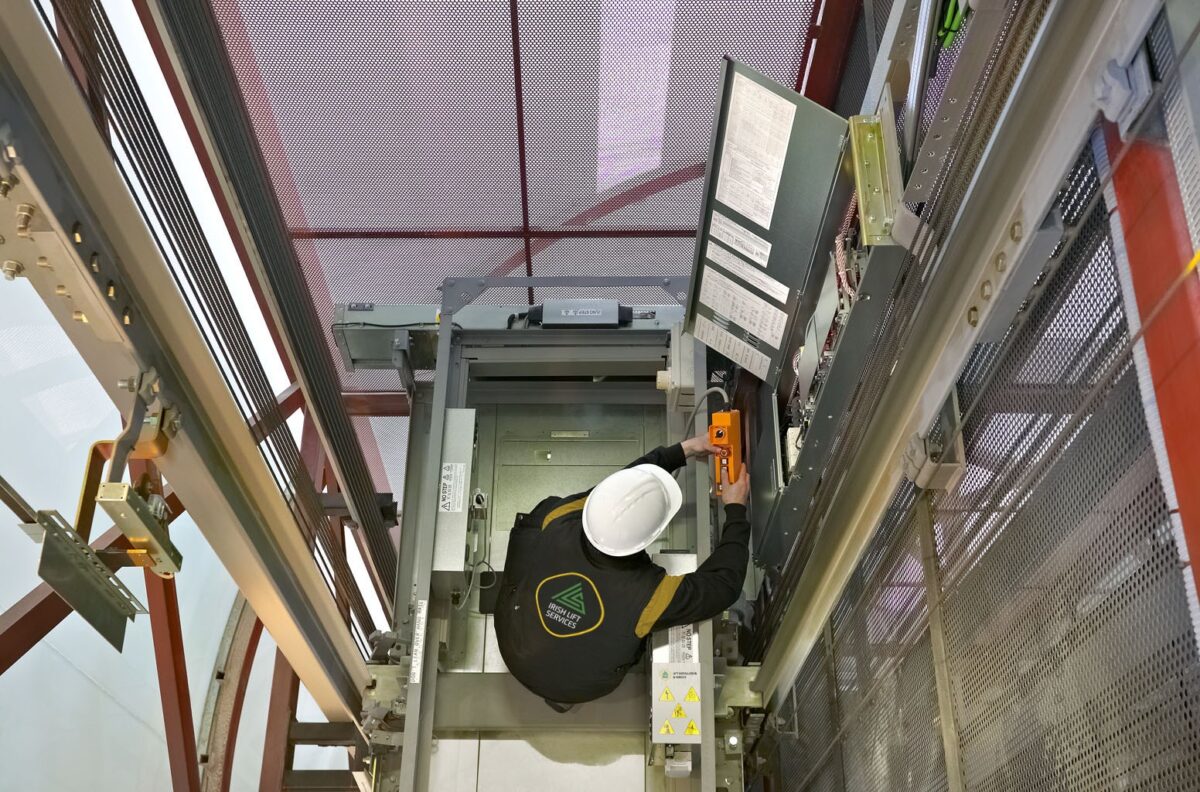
(569, 605)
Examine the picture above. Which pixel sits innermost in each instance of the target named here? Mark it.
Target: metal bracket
(384, 704)
(84, 581)
(144, 523)
(876, 179)
(938, 464)
(460, 292)
(402, 362)
(736, 691)
(1123, 91)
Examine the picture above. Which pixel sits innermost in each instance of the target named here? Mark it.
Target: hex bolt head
(985, 290)
(1016, 231)
(12, 269)
(1001, 262)
(127, 384)
(973, 316)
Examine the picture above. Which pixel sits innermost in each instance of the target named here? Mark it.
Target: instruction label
(452, 491)
(420, 617)
(732, 347)
(749, 311)
(756, 278)
(757, 131)
(740, 238)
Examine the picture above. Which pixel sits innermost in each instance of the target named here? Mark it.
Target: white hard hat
(629, 509)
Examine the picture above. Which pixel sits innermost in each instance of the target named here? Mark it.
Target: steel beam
(172, 682)
(947, 719)
(377, 404)
(214, 461)
(821, 77)
(1150, 230)
(281, 711)
(493, 233)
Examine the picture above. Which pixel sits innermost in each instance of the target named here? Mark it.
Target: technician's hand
(738, 491)
(699, 447)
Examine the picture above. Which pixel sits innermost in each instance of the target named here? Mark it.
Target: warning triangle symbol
(666, 695)
(678, 713)
(691, 728)
(692, 695)
(666, 728)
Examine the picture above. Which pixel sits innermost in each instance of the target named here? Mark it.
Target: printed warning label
(692, 729)
(669, 716)
(682, 643)
(692, 695)
(453, 488)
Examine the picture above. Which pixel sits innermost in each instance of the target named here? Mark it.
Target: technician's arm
(717, 583)
(671, 458)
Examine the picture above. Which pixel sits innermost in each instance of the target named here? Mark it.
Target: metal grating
(612, 257)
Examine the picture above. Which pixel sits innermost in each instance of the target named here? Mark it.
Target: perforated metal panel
(600, 125)
(1070, 646)
(1067, 626)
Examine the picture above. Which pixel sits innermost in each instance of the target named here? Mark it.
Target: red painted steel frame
(281, 711)
(1159, 247)
(828, 47)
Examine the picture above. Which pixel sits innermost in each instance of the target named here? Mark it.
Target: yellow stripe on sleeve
(563, 511)
(658, 603)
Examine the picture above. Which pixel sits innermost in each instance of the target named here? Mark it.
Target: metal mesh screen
(1071, 653)
(1066, 619)
(606, 125)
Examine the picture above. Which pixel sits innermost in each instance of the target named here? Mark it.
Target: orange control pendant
(725, 432)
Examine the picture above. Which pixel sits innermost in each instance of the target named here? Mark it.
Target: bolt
(61, 291)
(12, 269)
(94, 262)
(973, 316)
(44, 262)
(126, 317)
(111, 290)
(985, 290)
(1001, 262)
(128, 384)
(24, 219)
(80, 316)
(77, 234)
(10, 151)
(6, 185)
(1016, 231)
(175, 424)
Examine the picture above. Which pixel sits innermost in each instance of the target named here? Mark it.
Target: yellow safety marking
(692, 695)
(666, 695)
(666, 728)
(678, 713)
(691, 728)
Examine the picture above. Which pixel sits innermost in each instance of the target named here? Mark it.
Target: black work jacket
(571, 621)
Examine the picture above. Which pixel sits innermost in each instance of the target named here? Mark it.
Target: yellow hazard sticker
(692, 695)
(666, 728)
(679, 713)
(666, 695)
(692, 728)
